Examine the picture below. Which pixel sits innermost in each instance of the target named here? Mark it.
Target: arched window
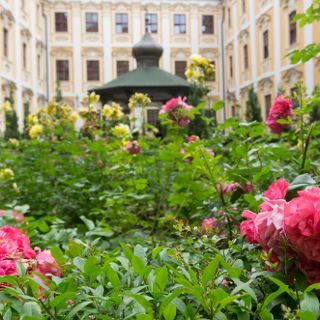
(292, 28)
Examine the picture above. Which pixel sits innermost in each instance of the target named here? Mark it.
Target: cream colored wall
(25, 25)
(176, 46)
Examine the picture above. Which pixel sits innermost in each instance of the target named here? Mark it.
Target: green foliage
(253, 110)
(58, 95)
(12, 130)
(311, 15)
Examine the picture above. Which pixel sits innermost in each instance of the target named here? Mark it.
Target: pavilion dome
(147, 52)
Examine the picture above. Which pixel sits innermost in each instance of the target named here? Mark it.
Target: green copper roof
(145, 78)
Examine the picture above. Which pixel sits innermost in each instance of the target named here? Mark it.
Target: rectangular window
(233, 111)
(62, 70)
(207, 24)
(180, 24)
(265, 37)
(180, 68)
(24, 55)
(230, 67)
(61, 21)
(292, 28)
(122, 67)
(245, 57)
(152, 116)
(243, 6)
(93, 70)
(122, 23)
(229, 17)
(267, 103)
(151, 20)
(5, 42)
(39, 65)
(92, 22)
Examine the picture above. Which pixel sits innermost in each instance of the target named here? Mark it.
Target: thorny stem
(306, 147)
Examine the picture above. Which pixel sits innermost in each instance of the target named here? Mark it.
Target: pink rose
(247, 227)
(277, 190)
(133, 147)
(174, 110)
(47, 264)
(247, 187)
(193, 138)
(208, 225)
(302, 223)
(14, 244)
(210, 152)
(8, 267)
(228, 188)
(281, 109)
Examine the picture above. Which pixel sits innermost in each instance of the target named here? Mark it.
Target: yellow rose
(117, 114)
(107, 111)
(14, 142)
(121, 130)
(94, 97)
(73, 117)
(7, 106)
(35, 131)
(6, 174)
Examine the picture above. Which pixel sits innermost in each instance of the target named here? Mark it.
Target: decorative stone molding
(40, 45)
(244, 92)
(243, 36)
(92, 52)
(25, 33)
(265, 85)
(292, 76)
(231, 96)
(61, 52)
(27, 93)
(263, 21)
(229, 48)
(288, 4)
(7, 17)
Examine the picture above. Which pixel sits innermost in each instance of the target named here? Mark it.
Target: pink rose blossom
(133, 147)
(247, 187)
(47, 264)
(277, 190)
(302, 223)
(281, 109)
(14, 244)
(208, 225)
(228, 188)
(174, 110)
(193, 138)
(247, 227)
(210, 152)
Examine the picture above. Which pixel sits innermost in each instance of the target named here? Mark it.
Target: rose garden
(193, 219)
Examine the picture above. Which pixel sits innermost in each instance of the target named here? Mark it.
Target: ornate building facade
(86, 43)
(259, 35)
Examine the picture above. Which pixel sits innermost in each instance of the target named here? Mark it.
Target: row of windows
(93, 69)
(265, 45)
(122, 23)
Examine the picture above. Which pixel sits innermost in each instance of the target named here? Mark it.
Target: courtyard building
(85, 44)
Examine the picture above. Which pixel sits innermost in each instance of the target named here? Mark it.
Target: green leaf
(61, 299)
(160, 280)
(113, 277)
(31, 309)
(218, 105)
(210, 270)
(302, 181)
(21, 269)
(58, 255)
(306, 315)
(76, 309)
(90, 225)
(310, 302)
(170, 312)
(138, 265)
